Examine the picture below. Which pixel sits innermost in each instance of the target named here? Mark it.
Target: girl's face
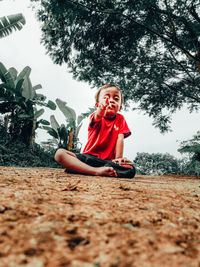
(112, 96)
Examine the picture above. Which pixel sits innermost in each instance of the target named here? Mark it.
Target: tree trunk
(32, 137)
(70, 141)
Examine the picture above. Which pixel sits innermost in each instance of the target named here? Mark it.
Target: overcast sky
(23, 48)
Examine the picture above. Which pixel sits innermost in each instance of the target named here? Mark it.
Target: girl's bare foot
(106, 171)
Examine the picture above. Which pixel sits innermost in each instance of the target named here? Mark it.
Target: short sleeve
(124, 129)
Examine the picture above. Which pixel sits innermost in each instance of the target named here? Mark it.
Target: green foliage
(189, 166)
(156, 164)
(149, 48)
(69, 113)
(18, 101)
(61, 133)
(16, 153)
(192, 148)
(10, 23)
(161, 164)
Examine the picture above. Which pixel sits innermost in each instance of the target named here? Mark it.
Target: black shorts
(123, 172)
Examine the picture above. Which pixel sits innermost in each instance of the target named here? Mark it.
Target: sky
(23, 48)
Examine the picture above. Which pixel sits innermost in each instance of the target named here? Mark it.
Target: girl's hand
(104, 104)
(120, 161)
(101, 109)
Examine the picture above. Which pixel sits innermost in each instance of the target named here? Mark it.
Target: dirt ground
(50, 218)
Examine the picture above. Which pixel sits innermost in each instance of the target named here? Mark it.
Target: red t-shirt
(102, 136)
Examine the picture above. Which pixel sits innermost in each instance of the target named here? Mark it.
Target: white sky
(23, 48)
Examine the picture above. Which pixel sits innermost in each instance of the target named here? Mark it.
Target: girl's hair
(105, 87)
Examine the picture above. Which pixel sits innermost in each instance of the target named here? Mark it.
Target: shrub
(13, 152)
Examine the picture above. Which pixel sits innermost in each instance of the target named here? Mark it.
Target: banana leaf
(71, 124)
(38, 113)
(25, 72)
(40, 99)
(50, 131)
(6, 86)
(10, 23)
(13, 73)
(54, 123)
(51, 105)
(85, 115)
(19, 87)
(28, 91)
(63, 132)
(67, 111)
(53, 133)
(6, 76)
(38, 86)
(78, 129)
(44, 122)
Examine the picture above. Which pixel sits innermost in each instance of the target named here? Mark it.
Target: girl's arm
(119, 159)
(119, 148)
(101, 109)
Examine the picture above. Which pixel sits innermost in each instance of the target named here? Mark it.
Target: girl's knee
(62, 154)
(59, 154)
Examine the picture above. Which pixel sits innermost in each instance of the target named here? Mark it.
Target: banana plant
(67, 135)
(60, 133)
(18, 100)
(10, 23)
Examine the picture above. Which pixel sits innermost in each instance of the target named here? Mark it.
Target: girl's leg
(72, 163)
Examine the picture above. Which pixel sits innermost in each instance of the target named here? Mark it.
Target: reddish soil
(50, 218)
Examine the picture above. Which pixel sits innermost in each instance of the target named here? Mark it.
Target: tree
(10, 23)
(151, 49)
(156, 164)
(192, 148)
(19, 101)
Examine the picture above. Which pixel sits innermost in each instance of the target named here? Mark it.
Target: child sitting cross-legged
(103, 153)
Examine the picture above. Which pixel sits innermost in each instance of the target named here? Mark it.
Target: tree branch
(175, 43)
(194, 13)
(186, 24)
(183, 67)
(196, 98)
